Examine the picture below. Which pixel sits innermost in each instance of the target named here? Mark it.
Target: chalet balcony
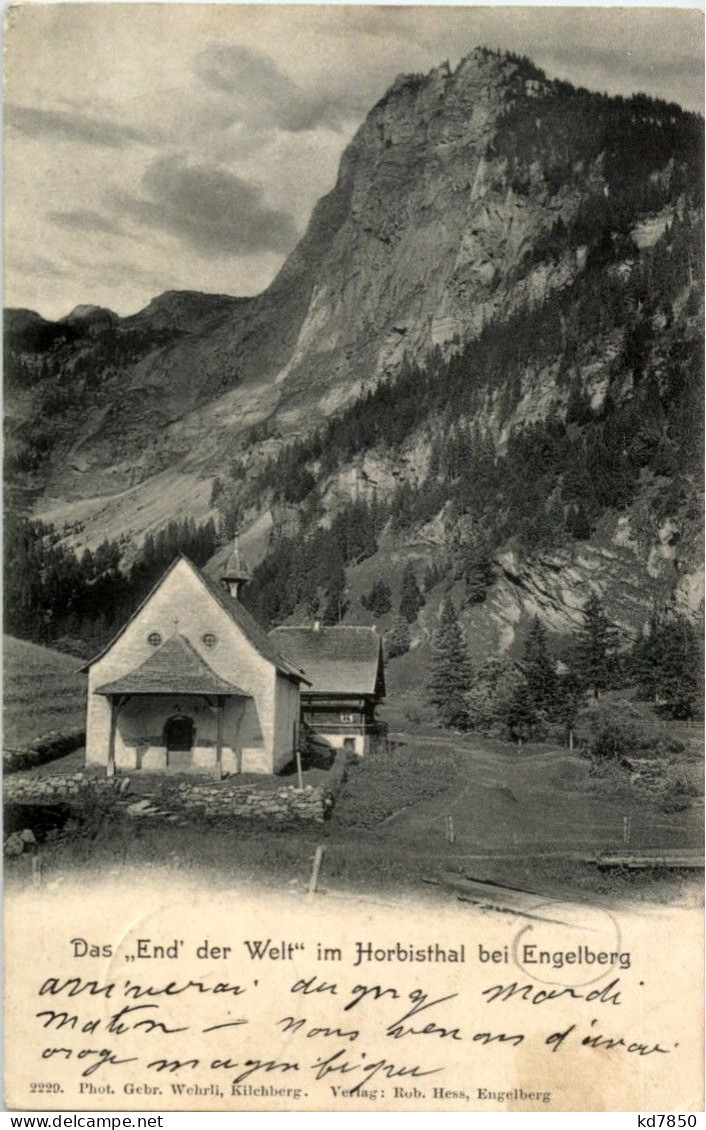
(377, 728)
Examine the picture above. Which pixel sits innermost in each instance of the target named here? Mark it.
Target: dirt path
(535, 799)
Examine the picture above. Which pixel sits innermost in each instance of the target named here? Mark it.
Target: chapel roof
(247, 623)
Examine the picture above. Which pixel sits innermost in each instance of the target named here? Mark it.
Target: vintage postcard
(353, 711)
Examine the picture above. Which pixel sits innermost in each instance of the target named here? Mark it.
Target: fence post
(36, 866)
(316, 867)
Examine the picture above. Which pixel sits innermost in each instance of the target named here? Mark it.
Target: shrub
(679, 789)
(612, 740)
(607, 777)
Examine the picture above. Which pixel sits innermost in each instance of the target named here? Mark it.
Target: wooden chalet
(345, 668)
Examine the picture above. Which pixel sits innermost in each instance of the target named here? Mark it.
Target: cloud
(107, 272)
(36, 265)
(208, 208)
(260, 93)
(72, 126)
(86, 220)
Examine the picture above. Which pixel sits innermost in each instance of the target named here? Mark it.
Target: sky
(153, 147)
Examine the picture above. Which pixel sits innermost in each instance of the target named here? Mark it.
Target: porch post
(219, 734)
(110, 767)
(116, 703)
(110, 770)
(298, 755)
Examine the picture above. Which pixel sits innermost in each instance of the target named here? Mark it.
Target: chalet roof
(248, 625)
(337, 660)
(174, 668)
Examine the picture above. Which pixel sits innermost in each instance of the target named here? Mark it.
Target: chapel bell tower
(234, 574)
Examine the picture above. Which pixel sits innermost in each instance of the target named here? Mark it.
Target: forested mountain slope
(484, 359)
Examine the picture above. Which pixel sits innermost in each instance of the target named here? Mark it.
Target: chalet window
(154, 639)
(209, 639)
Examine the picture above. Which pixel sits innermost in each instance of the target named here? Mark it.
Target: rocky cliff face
(434, 227)
(415, 245)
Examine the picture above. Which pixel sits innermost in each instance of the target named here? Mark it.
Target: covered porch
(175, 713)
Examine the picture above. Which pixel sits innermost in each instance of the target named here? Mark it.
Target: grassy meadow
(530, 817)
(42, 691)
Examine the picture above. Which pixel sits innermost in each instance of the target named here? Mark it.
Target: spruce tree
(568, 703)
(578, 524)
(431, 577)
(336, 604)
(216, 491)
(309, 594)
(232, 520)
(521, 714)
(379, 599)
(540, 670)
(596, 647)
(578, 407)
(666, 665)
(644, 664)
(476, 566)
(411, 599)
(450, 668)
(398, 638)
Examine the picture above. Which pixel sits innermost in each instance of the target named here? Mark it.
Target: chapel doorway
(179, 741)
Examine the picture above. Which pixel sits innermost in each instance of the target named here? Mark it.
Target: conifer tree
(411, 599)
(578, 407)
(578, 524)
(379, 599)
(666, 665)
(476, 566)
(336, 605)
(596, 647)
(398, 638)
(521, 714)
(309, 594)
(431, 577)
(216, 491)
(450, 668)
(540, 670)
(644, 666)
(568, 703)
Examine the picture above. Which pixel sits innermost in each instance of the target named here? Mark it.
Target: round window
(209, 640)
(154, 639)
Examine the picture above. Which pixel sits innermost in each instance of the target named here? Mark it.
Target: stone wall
(195, 798)
(30, 787)
(283, 805)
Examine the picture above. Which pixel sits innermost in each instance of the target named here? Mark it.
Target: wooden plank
(691, 858)
(506, 900)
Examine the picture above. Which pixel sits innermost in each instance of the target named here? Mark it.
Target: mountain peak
(85, 312)
(184, 310)
(491, 75)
